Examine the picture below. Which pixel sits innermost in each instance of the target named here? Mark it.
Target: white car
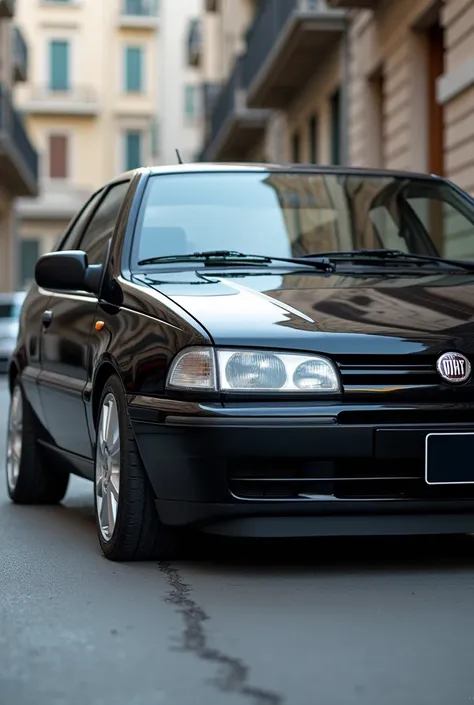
(10, 308)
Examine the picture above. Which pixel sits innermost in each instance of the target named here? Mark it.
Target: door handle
(47, 318)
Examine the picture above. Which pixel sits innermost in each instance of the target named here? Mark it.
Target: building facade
(281, 65)
(90, 103)
(383, 83)
(18, 156)
(180, 99)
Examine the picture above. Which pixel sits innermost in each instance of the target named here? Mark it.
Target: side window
(100, 229)
(76, 228)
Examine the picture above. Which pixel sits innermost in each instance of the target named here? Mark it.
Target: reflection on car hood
(311, 311)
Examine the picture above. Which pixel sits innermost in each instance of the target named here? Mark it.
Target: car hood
(364, 313)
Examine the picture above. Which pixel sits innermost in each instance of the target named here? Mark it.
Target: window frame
(60, 244)
(125, 135)
(192, 90)
(107, 190)
(67, 136)
(67, 42)
(142, 51)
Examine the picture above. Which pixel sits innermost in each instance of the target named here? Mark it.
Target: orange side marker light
(99, 325)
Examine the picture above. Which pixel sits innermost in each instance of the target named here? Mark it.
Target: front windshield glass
(293, 214)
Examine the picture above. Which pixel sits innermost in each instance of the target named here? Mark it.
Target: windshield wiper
(389, 255)
(232, 257)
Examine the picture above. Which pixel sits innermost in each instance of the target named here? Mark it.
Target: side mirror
(68, 271)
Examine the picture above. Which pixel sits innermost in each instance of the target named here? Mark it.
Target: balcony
(285, 44)
(20, 56)
(210, 95)
(18, 157)
(77, 100)
(138, 14)
(234, 129)
(353, 4)
(7, 9)
(57, 200)
(195, 43)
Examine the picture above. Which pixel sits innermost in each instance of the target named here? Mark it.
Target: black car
(253, 351)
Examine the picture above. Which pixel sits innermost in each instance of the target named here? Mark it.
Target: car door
(67, 324)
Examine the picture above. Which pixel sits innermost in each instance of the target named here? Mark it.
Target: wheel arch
(105, 370)
(13, 372)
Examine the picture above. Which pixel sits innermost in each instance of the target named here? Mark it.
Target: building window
(336, 127)
(133, 149)
(133, 69)
(59, 50)
(155, 139)
(295, 148)
(29, 254)
(143, 8)
(192, 96)
(313, 128)
(58, 148)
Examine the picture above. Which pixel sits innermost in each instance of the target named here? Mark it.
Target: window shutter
(29, 254)
(58, 157)
(133, 72)
(59, 65)
(133, 149)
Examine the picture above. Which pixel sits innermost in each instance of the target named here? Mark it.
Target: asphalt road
(366, 622)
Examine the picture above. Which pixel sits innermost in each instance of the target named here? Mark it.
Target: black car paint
(187, 442)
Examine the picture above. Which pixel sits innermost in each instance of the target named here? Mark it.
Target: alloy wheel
(107, 467)
(14, 438)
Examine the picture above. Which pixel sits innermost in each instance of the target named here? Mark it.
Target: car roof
(236, 167)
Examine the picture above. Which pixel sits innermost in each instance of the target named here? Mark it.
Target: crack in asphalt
(234, 674)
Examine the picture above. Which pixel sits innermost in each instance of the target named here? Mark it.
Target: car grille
(390, 373)
(345, 479)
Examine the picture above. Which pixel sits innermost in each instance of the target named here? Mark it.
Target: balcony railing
(285, 43)
(76, 100)
(139, 9)
(227, 99)
(57, 200)
(233, 128)
(195, 43)
(18, 157)
(210, 94)
(20, 56)
(7, 9)
(353, 4)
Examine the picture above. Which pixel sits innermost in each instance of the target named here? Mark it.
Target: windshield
(293, 214)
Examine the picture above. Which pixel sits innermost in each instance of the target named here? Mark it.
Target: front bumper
(299, 470)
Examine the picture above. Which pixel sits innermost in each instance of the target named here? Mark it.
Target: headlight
(252, 371)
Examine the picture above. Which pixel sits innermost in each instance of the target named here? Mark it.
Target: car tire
(129, 528)
(29, 479)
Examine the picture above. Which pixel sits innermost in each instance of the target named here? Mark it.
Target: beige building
(282, 65)
(385, 83)
(18, 156)
(90, 103)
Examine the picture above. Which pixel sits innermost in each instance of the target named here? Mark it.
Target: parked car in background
(252, 350)
(10, 307)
